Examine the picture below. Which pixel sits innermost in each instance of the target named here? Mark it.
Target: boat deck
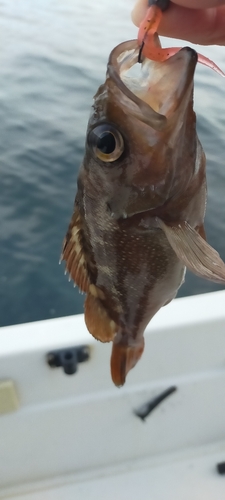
(80, 437)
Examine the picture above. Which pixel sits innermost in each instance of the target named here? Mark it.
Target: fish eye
(106, 142)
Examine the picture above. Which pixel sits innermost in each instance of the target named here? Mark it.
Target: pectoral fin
(197, 255)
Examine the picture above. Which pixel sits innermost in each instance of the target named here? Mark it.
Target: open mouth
(156, 88)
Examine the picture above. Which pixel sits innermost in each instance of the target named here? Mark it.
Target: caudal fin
(123, 359)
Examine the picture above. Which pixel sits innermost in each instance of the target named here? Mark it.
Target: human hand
(199, 21)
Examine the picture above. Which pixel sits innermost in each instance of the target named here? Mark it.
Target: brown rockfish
(140, 204)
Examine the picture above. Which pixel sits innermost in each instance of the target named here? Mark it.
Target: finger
(206, 27)
(141, 6)
(139, 11)
(199, 4)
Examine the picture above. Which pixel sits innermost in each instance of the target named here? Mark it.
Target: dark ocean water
(53, 57)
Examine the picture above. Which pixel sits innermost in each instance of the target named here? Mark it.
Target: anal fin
(97, 320)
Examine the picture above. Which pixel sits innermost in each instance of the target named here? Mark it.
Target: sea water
(53, 56)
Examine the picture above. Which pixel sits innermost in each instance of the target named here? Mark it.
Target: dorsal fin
(98, 322)
(74, 255)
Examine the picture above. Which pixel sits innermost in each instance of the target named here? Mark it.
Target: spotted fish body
(140, 204)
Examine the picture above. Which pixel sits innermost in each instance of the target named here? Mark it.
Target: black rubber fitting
(162, 4)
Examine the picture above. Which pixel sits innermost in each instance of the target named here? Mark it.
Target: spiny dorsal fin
(74, 255)
(194, 251)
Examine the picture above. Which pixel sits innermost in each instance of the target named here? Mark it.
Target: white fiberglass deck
(78, 436)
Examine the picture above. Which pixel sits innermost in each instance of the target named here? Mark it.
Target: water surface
(53, 57)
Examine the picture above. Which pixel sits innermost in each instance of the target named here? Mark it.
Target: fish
(138, 219)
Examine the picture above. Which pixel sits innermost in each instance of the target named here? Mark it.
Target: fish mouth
(142, 218)
(158, 89)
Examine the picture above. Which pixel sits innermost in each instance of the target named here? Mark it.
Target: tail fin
(123, 359)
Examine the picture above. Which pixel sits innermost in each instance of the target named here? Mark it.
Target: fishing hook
(162, 5)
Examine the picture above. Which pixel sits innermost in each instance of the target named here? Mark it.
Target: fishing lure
(149, 46)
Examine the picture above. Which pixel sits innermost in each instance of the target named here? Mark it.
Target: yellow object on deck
(8, 397)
